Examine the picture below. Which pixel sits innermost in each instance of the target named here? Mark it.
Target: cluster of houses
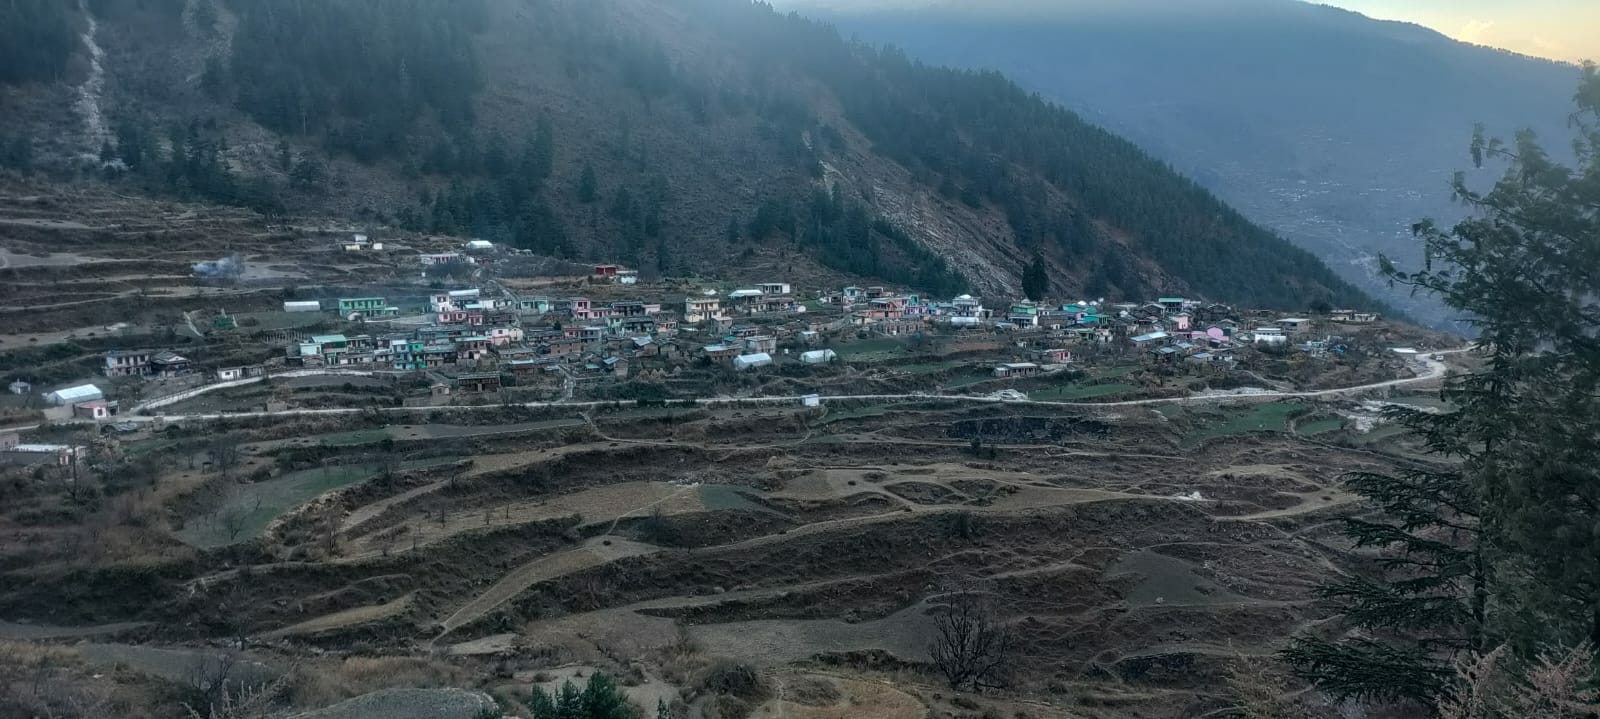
(472, 339)
(477, 337)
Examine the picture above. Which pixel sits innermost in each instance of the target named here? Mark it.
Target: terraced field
(813, 547)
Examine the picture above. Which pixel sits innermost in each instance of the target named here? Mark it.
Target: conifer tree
(1504, 544)
(588, 185)
(1036, 279)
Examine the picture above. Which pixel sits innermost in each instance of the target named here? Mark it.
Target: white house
(759, 359)
(1269, 336)
(479, 245)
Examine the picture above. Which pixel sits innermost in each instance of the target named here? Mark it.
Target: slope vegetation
(1336, 130)
(660, 133)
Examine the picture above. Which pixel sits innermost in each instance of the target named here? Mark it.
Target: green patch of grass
(1172, 411)
(1271, 417)
(927, 367)
(280, 320)
(876, 347)
(1320, 426)
(1115, 372)
(840, 415)
(414, 464)
(726, 497)
(1164, 580)
(355, 438)
(1080, 391)
(254, 506)
(642, 413)
(146, 446)
(969, 378)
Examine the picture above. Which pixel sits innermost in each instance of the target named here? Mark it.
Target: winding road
(1430, 370)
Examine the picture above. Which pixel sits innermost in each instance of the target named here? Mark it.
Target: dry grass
(49, 681)
(323, 684)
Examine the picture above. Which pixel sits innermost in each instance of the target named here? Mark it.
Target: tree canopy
(1499, 543)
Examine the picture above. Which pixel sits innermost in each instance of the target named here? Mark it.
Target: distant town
(480, 338)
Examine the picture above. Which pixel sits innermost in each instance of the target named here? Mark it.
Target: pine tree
(732, 233)
(588, 185)
(1423, 603)
(599, 699)
(542, 152)
(1036, 279)
(603, 700)
(1505, 544)
(1525, 269)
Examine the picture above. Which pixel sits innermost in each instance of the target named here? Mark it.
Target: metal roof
(81, 393)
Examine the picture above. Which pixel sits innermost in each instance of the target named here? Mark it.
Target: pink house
(1056, 356)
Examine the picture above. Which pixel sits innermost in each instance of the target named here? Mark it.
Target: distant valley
(1335, 130)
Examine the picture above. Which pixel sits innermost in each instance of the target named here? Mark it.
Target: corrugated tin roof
(81, 393)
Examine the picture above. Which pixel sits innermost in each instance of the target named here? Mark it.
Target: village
(475, 336)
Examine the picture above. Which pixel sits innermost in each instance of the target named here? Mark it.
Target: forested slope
(658, 133)
(1337, 130)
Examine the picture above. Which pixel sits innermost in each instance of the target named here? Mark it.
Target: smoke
(225, 268)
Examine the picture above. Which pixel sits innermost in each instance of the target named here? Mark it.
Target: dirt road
(1432, 370)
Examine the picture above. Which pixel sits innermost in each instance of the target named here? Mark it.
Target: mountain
(1335, 130)
(681, 135)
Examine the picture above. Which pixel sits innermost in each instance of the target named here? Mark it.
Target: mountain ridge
(700, 128)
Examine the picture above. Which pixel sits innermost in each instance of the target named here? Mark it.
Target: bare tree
(970, 647)
(209, 674)
(246, 703)
(233, 520)
(224, 454)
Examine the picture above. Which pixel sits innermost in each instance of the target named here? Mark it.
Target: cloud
(1548, 46)
(1474, 31)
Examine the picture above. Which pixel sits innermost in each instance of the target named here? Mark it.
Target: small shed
(759, 359)
(20, 387)
(818, 356)
(811, 400)
(302, 306)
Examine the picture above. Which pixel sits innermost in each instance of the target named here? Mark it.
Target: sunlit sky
(1560, 29)
(1557, 29)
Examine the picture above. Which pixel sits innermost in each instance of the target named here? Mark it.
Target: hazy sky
(1560, 29)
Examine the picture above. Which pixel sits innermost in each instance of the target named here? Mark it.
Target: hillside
(671, 135)
(1336, 130)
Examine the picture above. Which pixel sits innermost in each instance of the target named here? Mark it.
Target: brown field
(1131, 564)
